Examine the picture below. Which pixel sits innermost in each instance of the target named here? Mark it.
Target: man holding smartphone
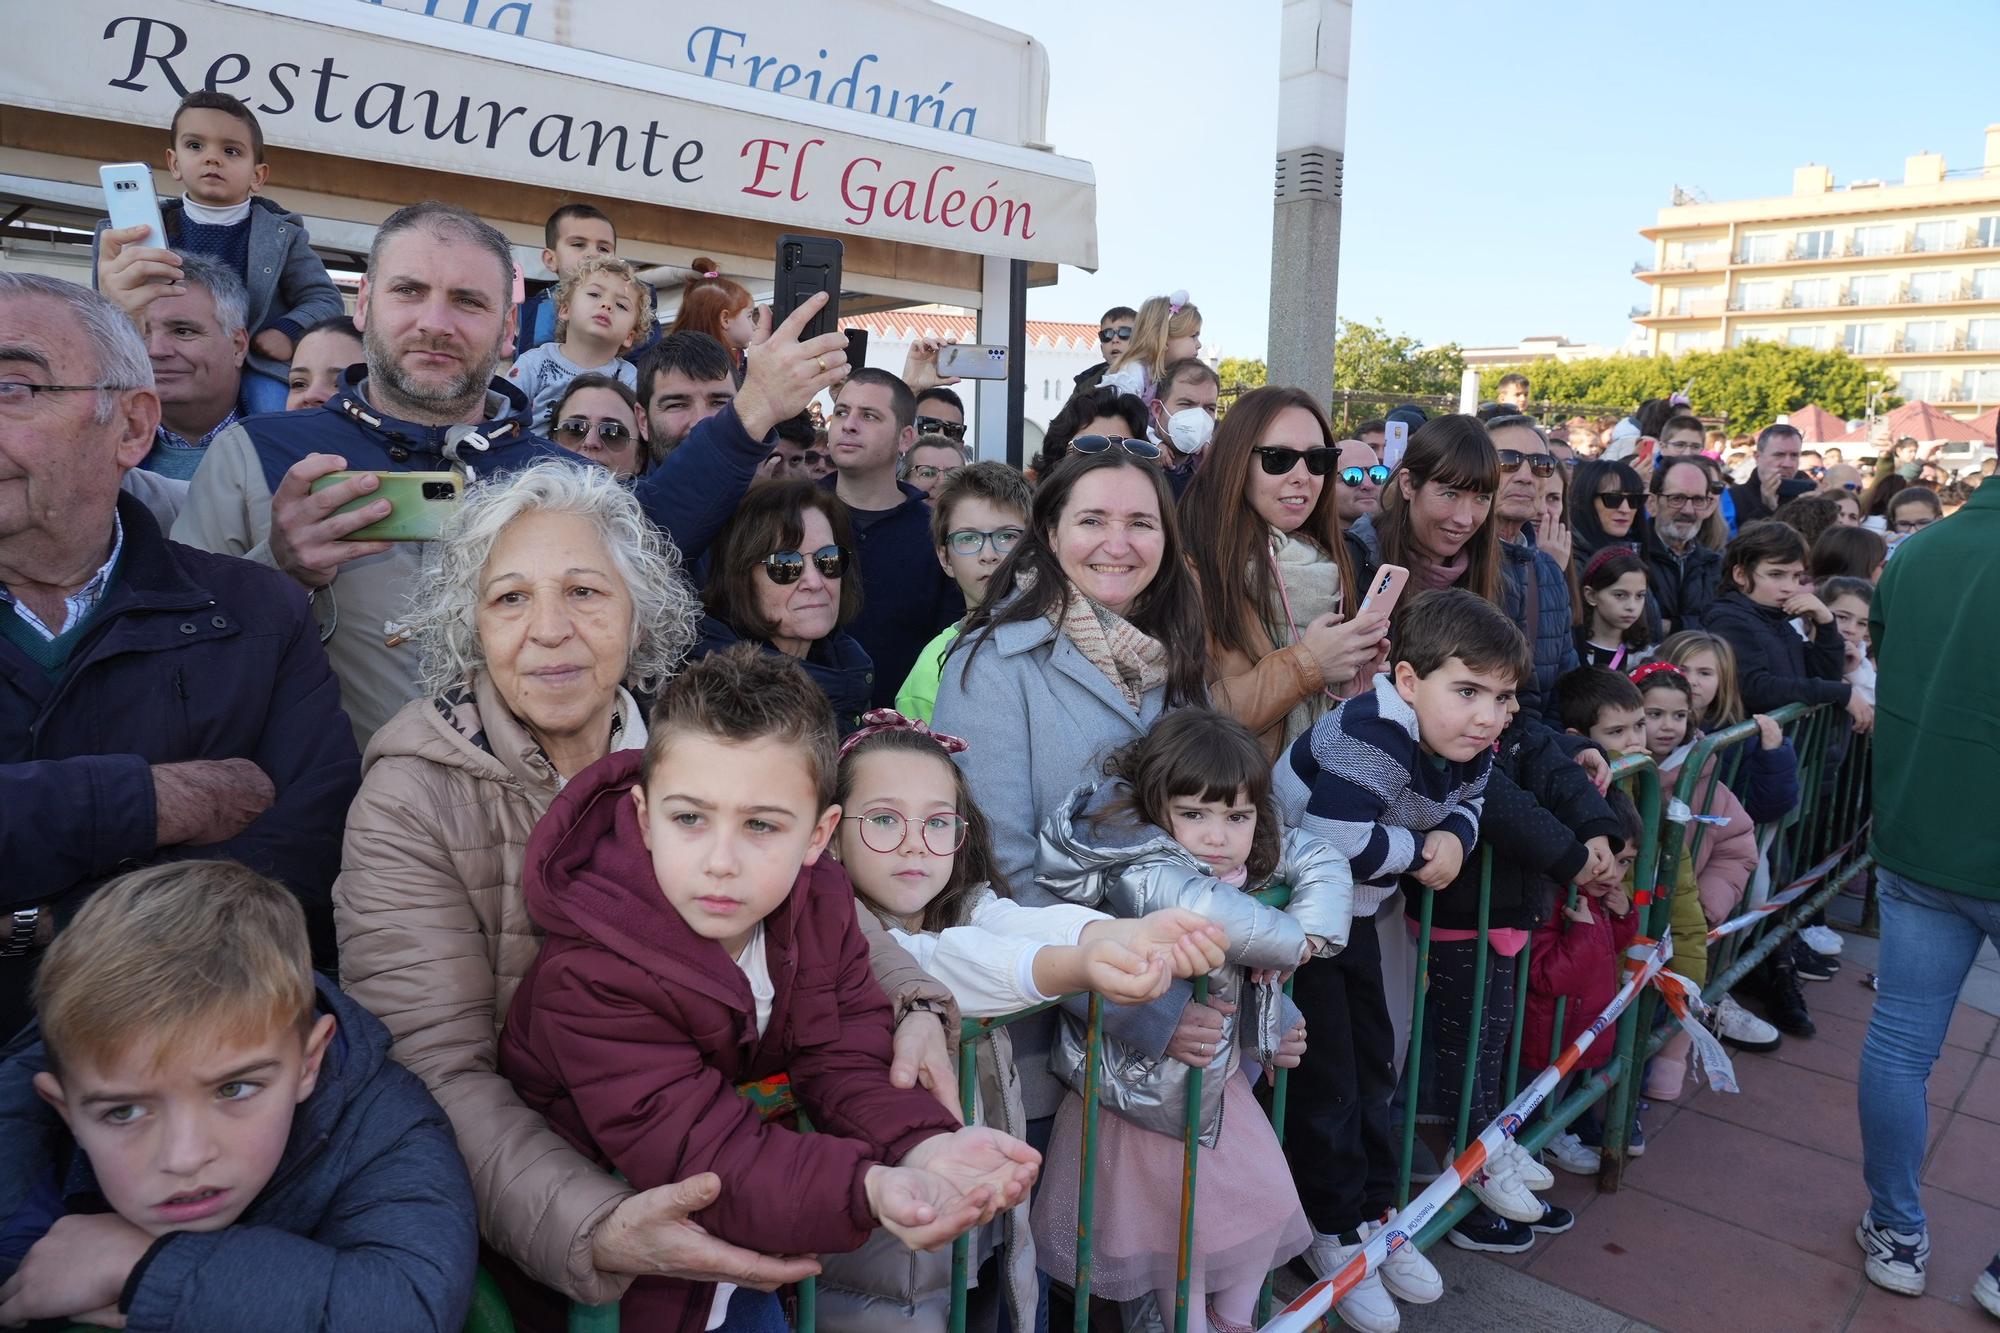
(434, 311)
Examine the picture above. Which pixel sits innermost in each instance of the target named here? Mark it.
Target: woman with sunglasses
(1262, 522)
(1089, 632)
(598, 417)
(1607, 506)
(781, 576)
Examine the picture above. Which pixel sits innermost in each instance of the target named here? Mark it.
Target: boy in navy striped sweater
(1394, 780)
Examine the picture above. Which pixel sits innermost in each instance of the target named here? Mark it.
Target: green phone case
(421, 502)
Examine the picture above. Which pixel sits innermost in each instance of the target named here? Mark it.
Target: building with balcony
(1906, 276)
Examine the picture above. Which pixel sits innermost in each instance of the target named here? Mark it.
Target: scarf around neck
(1434, 574)
(1130, 658)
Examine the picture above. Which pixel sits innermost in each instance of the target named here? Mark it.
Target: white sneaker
(1823, 940)
(1987, 1289)
(1368, 1307)
(1571, 1154)
(1743, 1029)
(1405, 1271)
(1533, 1174)
(1500, 1188)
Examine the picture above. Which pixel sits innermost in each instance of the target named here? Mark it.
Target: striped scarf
(1130, 658)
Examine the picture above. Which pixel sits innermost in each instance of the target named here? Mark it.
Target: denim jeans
(1930, 938)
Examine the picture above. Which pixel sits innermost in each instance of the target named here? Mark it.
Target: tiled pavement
(1741, 1214)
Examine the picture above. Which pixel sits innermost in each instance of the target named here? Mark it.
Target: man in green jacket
(1937, 747)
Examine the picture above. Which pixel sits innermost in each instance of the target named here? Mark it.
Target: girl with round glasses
(781, 576)
(1263, 528)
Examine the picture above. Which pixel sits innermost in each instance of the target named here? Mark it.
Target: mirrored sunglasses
(788, 567)
(1354, 476)
(939, 426)
(610, 432)
(1542, 465)
(1097, 444)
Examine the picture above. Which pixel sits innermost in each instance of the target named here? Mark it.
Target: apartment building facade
(1905, 276)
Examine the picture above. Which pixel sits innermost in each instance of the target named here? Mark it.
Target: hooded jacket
(1725, 856)
(188, 656)
(367, 1224)
(1541, 808)
(1774, 666)
(1583, 965)
(620, 972)
(837, 664)
(906, 597)
(1094, 857)
(435, 937)
(689, 495)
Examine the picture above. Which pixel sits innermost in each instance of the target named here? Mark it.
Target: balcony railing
(1955, 343)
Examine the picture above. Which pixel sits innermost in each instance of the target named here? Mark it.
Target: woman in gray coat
(1092, 629)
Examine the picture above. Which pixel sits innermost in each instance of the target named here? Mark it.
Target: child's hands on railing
(1443, 854)
(1290, 1051)
(1769, 734)
(1193, 945)
(1578, 910)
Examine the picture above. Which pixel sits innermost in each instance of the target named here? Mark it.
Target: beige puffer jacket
(435, 937)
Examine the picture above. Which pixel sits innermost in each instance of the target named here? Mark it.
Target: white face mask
(1190, 429)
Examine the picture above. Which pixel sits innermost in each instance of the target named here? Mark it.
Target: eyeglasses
(1277, 460)
(939, 426)
(887, 831)
(931, 471)
(1913, 524)
(18, 394)
(785, 568)
(1850, 486)
(971, 541)
(1675, 500)
(612, 433)
(1120, 331)
(1542, 465)
(1354, 476)
(1097, 444)
(1621, 499)
(810, 458)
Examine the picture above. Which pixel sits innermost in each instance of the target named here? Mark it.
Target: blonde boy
(602, 310)
(207, 1135)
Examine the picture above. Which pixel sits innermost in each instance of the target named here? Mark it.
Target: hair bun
(704, 267)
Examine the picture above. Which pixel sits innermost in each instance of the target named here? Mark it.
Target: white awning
(387, 86)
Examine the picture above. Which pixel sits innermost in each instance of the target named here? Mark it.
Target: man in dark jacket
(434, 313)
(1681, 571)
(906, 597)
(328, 1194)
(153, 698)
(1776, 479)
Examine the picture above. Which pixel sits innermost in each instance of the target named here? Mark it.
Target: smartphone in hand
(420, 502)
(130, 201)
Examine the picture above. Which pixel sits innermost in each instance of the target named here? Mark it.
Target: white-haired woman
(547, 596)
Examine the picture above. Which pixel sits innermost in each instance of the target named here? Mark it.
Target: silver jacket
(1128, 870)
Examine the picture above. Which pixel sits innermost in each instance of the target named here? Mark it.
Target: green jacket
(919, 693)
(1937, 703)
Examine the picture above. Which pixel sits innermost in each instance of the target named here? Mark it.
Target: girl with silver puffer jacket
(1185, 819)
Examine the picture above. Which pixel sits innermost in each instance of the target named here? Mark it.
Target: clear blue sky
(1500, 160)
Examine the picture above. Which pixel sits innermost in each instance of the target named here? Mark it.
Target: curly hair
(444, 609)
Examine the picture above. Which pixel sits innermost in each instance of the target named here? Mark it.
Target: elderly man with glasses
(1682, 572)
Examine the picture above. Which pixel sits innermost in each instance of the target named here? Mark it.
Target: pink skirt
(1247, 1214)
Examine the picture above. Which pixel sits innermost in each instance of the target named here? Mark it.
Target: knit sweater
(1361, 780)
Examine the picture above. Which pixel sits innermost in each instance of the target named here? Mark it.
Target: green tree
(1369, 358)
(1241, 372)
(1753, 384)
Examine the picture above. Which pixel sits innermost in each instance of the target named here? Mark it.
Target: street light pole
(1305, 225)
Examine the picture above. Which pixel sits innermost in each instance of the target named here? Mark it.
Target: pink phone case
(1386, 589)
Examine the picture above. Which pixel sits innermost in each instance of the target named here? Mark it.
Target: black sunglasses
(788, 567)
(939, 426)
(611, 432)
(1097, 444)
(1621, 499)
(1542, 465)
(1353, 476)
(1119, 331)
(1278, 460)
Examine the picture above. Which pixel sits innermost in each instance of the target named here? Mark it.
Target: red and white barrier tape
(1799, 888)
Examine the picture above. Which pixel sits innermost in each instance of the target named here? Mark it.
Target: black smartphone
(857, 348)
(808, 264)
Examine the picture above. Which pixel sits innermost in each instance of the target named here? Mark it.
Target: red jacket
(1583, 965)
(631, 1032)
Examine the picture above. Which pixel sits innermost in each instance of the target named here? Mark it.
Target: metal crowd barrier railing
(1814, 850)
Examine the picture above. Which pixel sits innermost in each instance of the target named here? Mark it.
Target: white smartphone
(131, 202)
(973, 361)
(1386, 589)
(1395, 443)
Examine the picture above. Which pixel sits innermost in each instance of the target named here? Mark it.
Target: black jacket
(1683, 586)
(837, 664)
(1748, 498)
(1541, 807)
(1774, 666)
(906, 597)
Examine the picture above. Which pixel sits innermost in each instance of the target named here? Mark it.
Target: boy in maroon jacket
(697, 940)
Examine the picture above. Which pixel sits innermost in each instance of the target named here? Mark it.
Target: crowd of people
(383, 908)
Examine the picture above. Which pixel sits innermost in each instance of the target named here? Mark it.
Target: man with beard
(434, 312)
(1682, 572)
